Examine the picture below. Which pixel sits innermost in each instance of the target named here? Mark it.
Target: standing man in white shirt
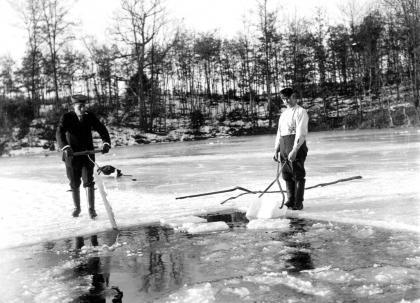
(290, 147)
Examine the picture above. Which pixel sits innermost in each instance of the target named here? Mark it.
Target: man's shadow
(300, 258)
(100, 269)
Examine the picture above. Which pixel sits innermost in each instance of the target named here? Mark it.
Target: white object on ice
(265, 208)
(269, 224)
(197, 228)
(181, 221)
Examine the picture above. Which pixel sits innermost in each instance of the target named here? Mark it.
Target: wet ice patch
(237, 257)
(295, 283)
(321, 225)
(199, 293)
(415, 261)
(389, 275)
(52, 285)
(239, 291)
(277, 224)
(103, 249)
(368, 290)
(363, 232)
(327, 274)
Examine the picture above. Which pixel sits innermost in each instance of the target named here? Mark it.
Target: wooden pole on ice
(101, 187)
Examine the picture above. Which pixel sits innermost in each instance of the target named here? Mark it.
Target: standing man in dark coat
(291, 144)
(74, 134)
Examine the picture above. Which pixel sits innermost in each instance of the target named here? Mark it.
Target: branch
(248, 191)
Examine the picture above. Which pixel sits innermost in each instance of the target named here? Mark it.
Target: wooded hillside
(363, 72)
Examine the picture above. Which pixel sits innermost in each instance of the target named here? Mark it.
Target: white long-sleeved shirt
(293, 121)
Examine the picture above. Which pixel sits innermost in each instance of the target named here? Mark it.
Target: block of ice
(197, 228)
(265, 209)
(180, 221)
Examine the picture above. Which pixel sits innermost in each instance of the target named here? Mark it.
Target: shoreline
(131, 137)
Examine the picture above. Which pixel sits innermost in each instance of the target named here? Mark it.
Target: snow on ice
(36, 206)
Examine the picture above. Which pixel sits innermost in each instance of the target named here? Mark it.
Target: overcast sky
(202, 15)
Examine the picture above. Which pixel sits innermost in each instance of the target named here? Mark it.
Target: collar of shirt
(81, 116)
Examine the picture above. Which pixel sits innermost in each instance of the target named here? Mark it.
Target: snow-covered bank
(35, 143)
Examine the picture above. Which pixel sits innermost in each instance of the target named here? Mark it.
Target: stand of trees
(154, 70)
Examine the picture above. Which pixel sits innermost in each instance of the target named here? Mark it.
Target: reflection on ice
(307, 261)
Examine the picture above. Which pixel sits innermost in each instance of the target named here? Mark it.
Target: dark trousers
(80, 168)
(296, 170)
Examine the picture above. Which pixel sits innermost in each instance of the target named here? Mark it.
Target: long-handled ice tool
(267, 209)
(101, 186)
(279, 170)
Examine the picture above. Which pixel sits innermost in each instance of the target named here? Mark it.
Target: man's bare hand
(292, 155)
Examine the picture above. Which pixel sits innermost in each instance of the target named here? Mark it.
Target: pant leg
(87, 172)
(74, 173)
(299, 172)
(286, 146)
(296, 170)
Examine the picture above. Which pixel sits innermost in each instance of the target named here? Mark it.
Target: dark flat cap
(78, 99)
(287, 92)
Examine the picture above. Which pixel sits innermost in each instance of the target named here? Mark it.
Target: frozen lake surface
(357, 240)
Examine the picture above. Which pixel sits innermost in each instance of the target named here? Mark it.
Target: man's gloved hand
(68, 153)
(105, 148)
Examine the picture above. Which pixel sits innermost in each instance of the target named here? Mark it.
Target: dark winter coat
(78, 133)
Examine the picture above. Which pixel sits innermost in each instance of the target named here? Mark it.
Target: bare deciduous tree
(56, 31)
(138, 23)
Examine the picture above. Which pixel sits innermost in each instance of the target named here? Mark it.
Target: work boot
(76, 200)
(290, 190)
(90, 191)
(300, 190)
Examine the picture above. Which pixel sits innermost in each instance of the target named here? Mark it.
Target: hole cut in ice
(231, 217)
(211, 222)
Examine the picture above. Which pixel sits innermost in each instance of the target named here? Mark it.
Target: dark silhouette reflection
(99, 269)
(163, 267)
(300, 258)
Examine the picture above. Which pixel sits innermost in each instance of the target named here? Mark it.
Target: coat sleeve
(60, 134)
(99, 127)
